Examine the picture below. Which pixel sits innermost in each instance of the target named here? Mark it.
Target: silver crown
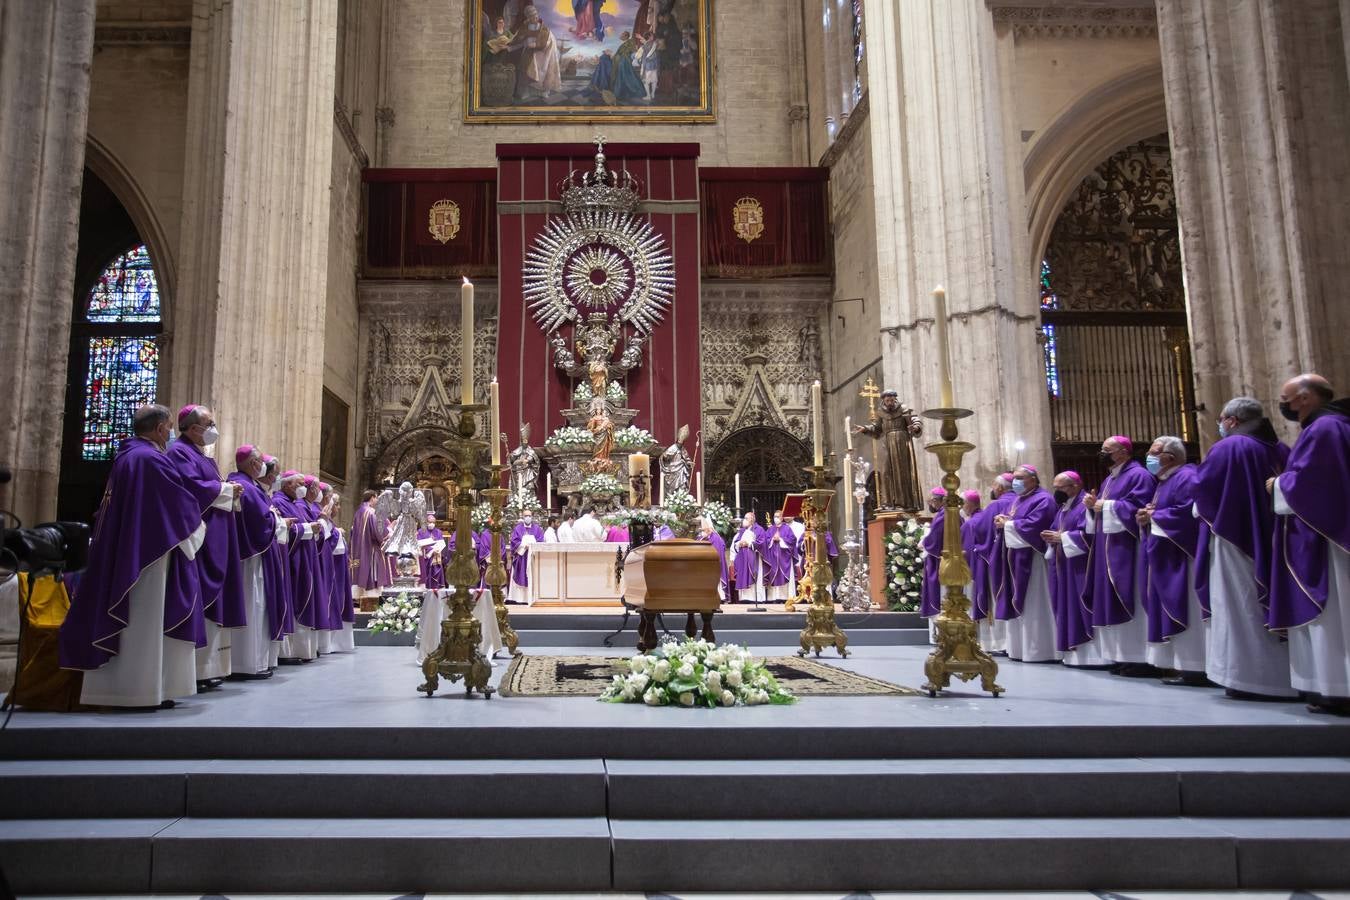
(600, 189)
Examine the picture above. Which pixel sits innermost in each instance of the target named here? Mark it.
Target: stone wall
(755, 69)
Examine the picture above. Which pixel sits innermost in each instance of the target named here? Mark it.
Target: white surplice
(1031, 636)
(1240, 652)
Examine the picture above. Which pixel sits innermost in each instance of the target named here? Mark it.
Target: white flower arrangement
(614, 393)
(633, 438)
(398, 613)
(570, 436)
(625, 517)
(600, 485)
(681, 503)
(719, 514)
(904, 566)
(517, 504)
(694, 672)
(479, 515)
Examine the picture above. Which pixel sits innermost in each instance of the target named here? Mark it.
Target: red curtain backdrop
(665, 389)
(399, 243)
(796, 237)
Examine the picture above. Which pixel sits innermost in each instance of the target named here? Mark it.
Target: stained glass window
(122, 316)
(1049, 301)
(857, 49)
(126, 291)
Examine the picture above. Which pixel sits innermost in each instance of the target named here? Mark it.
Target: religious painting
(333, 438)
(593, 60)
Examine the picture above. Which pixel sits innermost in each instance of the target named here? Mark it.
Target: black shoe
(167, 704)
(289, 661)
(1234, 694)
(250, 676)
(205, 685)
(1330, 707)
(1189, 679)
(1136, 670)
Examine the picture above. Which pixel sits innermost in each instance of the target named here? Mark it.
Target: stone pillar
(248, 325)
(947, 207)
(1258, 111)
(46, 50)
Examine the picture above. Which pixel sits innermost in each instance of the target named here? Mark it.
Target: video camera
(50, 548)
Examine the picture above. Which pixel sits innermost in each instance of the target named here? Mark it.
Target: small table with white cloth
(436, 608)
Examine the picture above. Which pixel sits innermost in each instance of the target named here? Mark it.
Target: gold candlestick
(820, 631)
(958, 648)
(458, 655)
(495, 577)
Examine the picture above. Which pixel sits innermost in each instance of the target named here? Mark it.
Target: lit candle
(848, 432)
(466, 357)
(815, 424)
(848, 483)
(637, 465)
(738, 491)
(495, 427)
(548, 490)
(940, 333)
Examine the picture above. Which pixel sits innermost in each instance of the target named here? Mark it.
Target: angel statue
(524, 466)
(676, 464)
(408, 509)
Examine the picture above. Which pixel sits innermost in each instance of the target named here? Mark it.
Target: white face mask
(209, 436)
(300, 493)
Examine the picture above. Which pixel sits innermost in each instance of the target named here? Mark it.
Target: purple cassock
(482, 545)
(745, 563)
(323, 568)
(1031, 513)
(983, 544)
(520, 562)
(149, 507)
(256, 534)
(930, 595)
(1231, 500)
(277, 582)
(1314, 487)
(721, 546)
(433, 573)
(371, 571)
(340, 580)
(1113, 558)
(1066, 574)
(665, 534)
(299, 563)
(777, 556)
(218, 568)
(1168, 560)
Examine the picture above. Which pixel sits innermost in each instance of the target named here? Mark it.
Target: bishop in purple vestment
(1115, 558)
(1233, 554)
(1067, 569)
(526, 532)
(930, 593)
(1170, 533)
(778, 549)
(1310, 587)
(137, 595)
(370, 567)
(709, 534)
(323, 586)
(219, 571)
(435, 550)
(299, 644)
(1023, 598)
(250, 648)
(276, 565)
(984, 544)
(746, 562)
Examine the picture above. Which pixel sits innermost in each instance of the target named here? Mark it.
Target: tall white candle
(815, 424)
(848, 485)
(466, 354)
(738, 491)
(940, 335)
(663, 488)
(848, 431)
(548, 490)
(699, 479)
(495, 423)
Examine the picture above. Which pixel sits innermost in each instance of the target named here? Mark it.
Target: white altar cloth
(575, 574)
(436, 608)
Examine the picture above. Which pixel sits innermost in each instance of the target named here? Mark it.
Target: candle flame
(466, 280)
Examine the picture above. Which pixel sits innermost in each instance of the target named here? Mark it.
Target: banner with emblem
(431, 222)
(765, 223)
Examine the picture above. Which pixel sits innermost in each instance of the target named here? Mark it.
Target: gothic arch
(768, 459)
(1086, 131)
(406, 451)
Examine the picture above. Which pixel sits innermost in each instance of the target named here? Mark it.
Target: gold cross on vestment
(871, 392)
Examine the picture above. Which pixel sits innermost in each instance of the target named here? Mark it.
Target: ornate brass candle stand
(820, 631)
(459, 655)
(495, 577)
(958, 652)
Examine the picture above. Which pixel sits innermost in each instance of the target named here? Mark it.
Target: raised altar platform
(574, 574)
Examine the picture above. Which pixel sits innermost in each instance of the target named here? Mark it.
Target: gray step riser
(796, 862)
(810, 794)
(776, 638)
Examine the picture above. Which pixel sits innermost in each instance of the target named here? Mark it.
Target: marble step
(702, 789)
(595, 638)
(979, 854)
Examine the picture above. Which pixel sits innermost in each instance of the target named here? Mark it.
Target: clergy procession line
(1235, 572)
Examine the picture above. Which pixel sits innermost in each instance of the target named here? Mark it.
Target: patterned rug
(587, 676)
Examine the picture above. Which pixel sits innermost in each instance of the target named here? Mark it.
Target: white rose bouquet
(694, 672)
(904, 566)
(398, 614)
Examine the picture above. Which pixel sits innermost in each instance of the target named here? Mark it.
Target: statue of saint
(676, 464)
(601, 427)
(524, 466)
(897, 470)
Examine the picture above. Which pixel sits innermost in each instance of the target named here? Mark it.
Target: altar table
(575, 574)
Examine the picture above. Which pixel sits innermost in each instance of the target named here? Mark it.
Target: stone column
(1258, 111)
(947, 207)
(46, 50)
(248, 328)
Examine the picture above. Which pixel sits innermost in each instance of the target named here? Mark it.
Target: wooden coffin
(678, 575)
